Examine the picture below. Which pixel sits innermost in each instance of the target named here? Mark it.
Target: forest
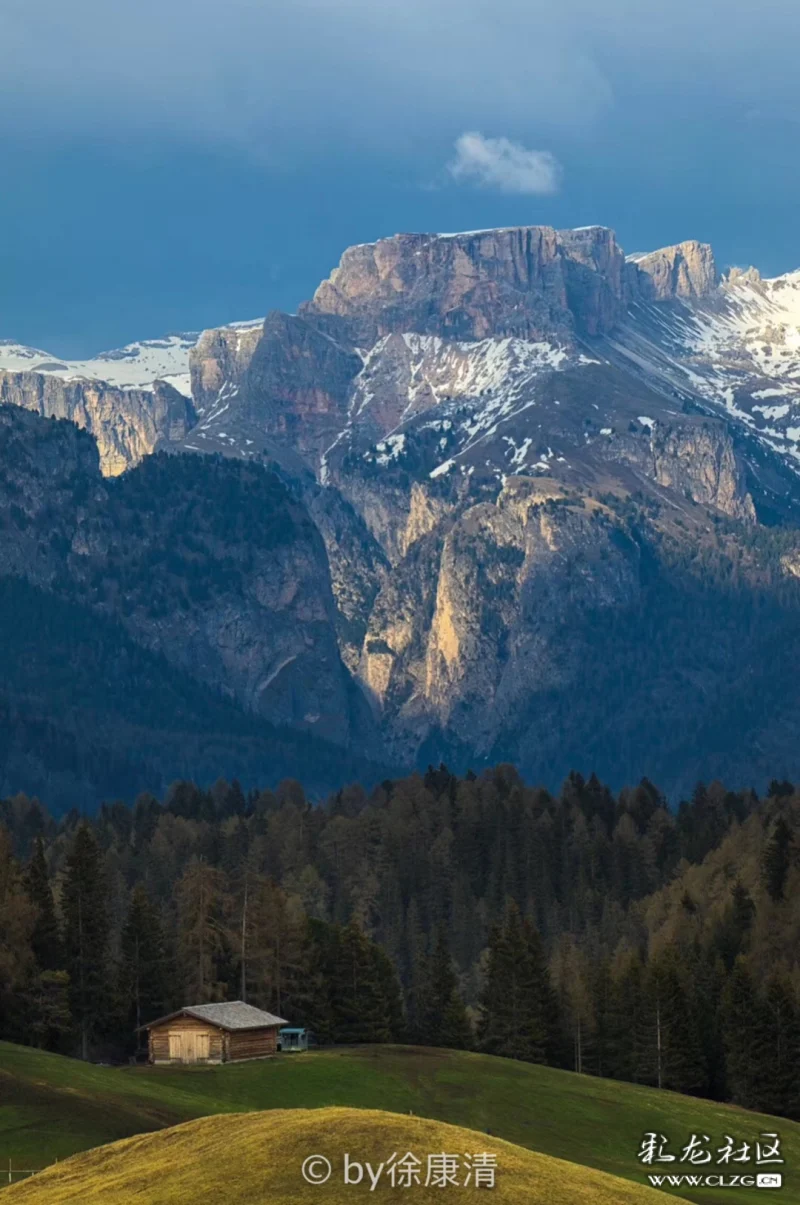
(604, 933)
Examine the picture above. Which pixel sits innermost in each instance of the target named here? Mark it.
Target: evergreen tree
(360, 1007)
(628, 1044)
(86, 937)
(46, 939)
(779, 1050)
(49, 1020)
(743, 1034)
(442, 1018)
(777, 859)
(17, 921)
(517, 1004)
(731, 937)
(676, 1054)
(143, 963)
(392, 993)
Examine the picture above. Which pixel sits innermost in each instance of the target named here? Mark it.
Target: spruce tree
(742, 1024)
(732, 933)
(777, 859)
(517, 1003)
(45, 939)
(442, 1019)
(779, 1049)
(360, 1006)
(143, 963)
(676, 1054)
(86, 934)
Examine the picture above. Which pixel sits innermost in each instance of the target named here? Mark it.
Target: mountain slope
(170, 622)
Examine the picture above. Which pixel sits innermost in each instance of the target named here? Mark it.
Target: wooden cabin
(213, 1033)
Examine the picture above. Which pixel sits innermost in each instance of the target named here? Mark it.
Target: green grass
(256, 1157)
(51, 1107)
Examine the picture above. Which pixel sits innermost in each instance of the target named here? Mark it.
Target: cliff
(127, 424)
(687, 270)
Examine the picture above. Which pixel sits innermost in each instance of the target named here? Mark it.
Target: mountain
(131, 400)
(525, 498)
(178, 615)
(556, 488)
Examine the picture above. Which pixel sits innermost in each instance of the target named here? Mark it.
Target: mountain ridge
(521, 450)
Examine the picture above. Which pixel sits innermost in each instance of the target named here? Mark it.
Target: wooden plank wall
(159, 1038)
(252, 1043)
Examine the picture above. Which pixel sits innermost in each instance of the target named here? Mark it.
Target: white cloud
(505, 165)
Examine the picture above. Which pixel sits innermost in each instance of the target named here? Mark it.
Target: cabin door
(188, 1047)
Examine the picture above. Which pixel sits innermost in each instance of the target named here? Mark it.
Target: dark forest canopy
(600, 932)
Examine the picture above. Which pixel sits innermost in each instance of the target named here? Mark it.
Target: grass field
(256, 1157)
(51, 1107)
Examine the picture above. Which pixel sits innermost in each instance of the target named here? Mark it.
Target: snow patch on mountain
(135, 366)
(733, 350)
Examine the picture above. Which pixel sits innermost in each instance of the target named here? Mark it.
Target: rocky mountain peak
(465, 286)
(687, 270)
(529, 282)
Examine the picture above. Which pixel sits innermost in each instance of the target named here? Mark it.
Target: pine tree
(49, 1020)
(777, 859)
(779, 1050)
(742, 1028)
(86, 935)
(17, 921)
(392, 994)
(517, 1003)
(442, 1018)
(731, 937)
(677, 1054)
(628, 1044)
(45, 939)
(360, 1007)
(143, 964)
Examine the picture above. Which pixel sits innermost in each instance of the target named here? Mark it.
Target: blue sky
(171, 165)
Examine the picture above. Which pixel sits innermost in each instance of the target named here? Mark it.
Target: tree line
(600, 932)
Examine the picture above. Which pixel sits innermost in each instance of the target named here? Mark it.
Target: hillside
(62, 1106)
(178, 620)
(257, 1157)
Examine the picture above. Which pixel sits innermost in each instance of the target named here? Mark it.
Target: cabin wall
(186, 1040)
(252, 1044)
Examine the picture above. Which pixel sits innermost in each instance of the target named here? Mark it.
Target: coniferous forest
(607, 934)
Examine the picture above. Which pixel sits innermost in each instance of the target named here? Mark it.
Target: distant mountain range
(552, 492)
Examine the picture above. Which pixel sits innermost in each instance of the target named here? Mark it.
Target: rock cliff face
(694, 457)
(127, 424)
(675, 273)
(467, 630)
(530, 282)
(506, 282)
(220, 356)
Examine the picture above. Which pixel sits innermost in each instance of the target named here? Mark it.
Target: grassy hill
(51, 1107)
(256, 1157)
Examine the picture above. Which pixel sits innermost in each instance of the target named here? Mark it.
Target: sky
(176, 164)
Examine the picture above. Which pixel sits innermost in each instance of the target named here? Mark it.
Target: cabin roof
(231, 1016)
